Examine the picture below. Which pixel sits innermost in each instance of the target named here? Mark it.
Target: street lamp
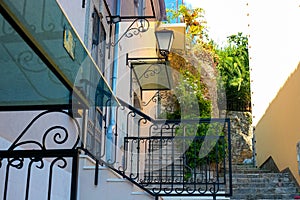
(164, 40)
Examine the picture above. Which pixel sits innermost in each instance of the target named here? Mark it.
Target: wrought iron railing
(171, 157)
(163, 157)
(39, 157)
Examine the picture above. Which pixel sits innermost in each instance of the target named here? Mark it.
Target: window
(98, 54)
(96, 115)
(98, 41)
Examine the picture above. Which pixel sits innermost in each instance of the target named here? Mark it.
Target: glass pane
(45, 24)
(153, 75)
(24, 78)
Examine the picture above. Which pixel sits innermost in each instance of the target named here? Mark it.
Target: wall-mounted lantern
(164, 40)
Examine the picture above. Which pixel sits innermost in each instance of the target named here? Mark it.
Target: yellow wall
(274, 54)
(179, 30)
(278, 131)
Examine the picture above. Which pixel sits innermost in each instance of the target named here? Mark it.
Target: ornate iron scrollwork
(152, 70)
(56, 147)
(143, 26)
(60, 135)
(155, 98)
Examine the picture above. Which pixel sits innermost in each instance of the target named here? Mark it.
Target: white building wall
(13, 125)
(76, 14)
(140, 45)
(110, 185)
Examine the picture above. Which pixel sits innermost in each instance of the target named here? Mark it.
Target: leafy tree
(233, 66)
(232, 61)
(193, 18)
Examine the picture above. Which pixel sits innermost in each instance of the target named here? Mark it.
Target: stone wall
(241, 136)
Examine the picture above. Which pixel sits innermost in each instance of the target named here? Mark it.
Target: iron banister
(123, 103)
(177, 121)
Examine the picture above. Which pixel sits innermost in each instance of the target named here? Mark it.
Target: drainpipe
(112, 121)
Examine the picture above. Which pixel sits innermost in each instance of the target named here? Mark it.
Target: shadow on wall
(278, 131)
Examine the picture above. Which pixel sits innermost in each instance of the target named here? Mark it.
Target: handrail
(166, 121)
(123, 103)
(162, 156)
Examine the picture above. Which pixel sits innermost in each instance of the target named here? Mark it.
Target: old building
(75, 80)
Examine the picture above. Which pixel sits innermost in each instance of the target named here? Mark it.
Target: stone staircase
(111, 186)
(250, 183)
(164, 162)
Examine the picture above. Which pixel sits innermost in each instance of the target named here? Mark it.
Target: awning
(152, 75)
(43, 62)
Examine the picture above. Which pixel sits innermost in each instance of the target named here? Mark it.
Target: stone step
(169, 165)
(163, 172)
(247, 169)
(266, 176)
(250, 171)
(260, 182)
(164, 156)
(239, 185)
(164, 153)
(176, 162)
(251, 183)
(265, 190)
(257, 196)
(242, 166)
(163, 168)
(166, 148)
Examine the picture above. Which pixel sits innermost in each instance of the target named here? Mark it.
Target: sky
(224, 17)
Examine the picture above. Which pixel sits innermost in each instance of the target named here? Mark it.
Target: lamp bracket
(155, 98)
(143, 26)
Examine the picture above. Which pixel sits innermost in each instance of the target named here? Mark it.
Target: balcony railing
(184, 157)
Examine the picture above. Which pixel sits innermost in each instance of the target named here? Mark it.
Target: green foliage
(190, 95)
(233, 66)
(205, 143)
(232, 61)
(193, 18)
(204, 146)
(189, 98)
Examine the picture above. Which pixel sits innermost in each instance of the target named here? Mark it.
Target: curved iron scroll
(155, 98)
(43, 156)
(60, 134)
(132, 31)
